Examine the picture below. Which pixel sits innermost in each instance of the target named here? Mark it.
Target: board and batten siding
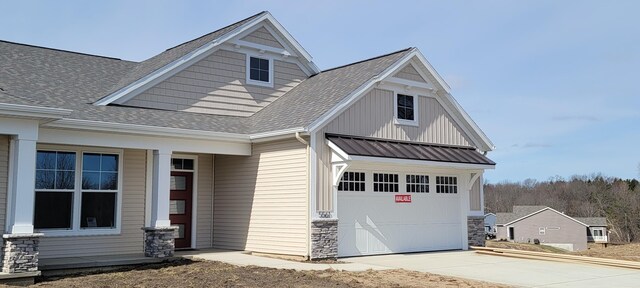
(373, 116)
(474, 196)
(4, 178)
(204, 221)
(217, 85)
(263, 37)
(133, 205)
(410, 73)
(261, 201)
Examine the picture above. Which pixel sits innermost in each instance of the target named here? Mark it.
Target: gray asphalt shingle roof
(593, 221)
(518, 212)
(521, 211)
(319, 93)
(156, 62)
(39, 76)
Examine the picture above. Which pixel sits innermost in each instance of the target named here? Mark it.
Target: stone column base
(20, 252)
(159, 241)
(475, 230)
(324, 239)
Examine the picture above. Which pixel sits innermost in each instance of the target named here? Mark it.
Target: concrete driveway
(511, 271)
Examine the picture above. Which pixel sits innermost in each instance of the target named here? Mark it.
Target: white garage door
(373, 222)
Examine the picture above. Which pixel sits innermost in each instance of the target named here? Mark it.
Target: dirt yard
(187, 273)
(630, 252)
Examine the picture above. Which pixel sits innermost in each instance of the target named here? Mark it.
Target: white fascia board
(356, 94)
(293, 41)
(544, 209)
(40, 112)
(147, 130)
(176, 66)
(432, 71)
(399, 161)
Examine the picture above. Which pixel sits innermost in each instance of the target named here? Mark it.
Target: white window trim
(248, 79)
(542, 231)
(77, 194)
(593, 230)
(416, 110)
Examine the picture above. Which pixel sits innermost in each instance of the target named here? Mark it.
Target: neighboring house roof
(593, 221)
(373, 147)
(522, 212)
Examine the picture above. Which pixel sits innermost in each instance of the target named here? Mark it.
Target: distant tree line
(580, 196)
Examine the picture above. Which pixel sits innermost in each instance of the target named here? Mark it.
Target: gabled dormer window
(406, 109)
(259, 71)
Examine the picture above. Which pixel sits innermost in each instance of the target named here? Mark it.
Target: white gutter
(147, 130)
(33, 111)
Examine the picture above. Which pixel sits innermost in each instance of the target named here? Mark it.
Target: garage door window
(446, 184)
(418, 183)
(383, 182)
(352, 181)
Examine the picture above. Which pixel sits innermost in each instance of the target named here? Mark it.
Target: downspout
(308, 185)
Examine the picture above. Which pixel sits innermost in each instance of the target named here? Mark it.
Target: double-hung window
(446, 184)
(259, 71)
(77, 192)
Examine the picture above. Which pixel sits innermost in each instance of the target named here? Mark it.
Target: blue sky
(554, 84)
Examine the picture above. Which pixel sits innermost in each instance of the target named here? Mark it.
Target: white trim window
(417, 183)
(598, 232)
(446, 184)
(406, 109)
(259, 70)
(542, 231)
(385, 182)
(78, 192)
(352, 181)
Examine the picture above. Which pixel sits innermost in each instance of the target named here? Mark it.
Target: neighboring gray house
(549, 226)
(234, 140)
(490, 224)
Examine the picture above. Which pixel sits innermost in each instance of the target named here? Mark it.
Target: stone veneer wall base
(475, 230)
(159, 241)
(324, 239)
(20, 252)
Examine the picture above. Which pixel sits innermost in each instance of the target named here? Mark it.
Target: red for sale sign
(403, 198)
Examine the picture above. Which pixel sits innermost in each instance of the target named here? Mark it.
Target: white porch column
(23, 185)
(160, 192)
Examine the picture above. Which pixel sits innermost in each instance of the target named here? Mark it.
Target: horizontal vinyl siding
(373, 116)
(205, 199)
(263, 37)
(217, 85)
(4, 178)
(130, 239)
(261, 201)
(474, 196)
(410, 73)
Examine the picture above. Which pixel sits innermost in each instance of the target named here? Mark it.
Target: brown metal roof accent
(374, 147)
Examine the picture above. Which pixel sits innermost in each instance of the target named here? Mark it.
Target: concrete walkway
(511, 271)
(241, 259)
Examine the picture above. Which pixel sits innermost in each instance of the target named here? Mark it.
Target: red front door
(180, 207)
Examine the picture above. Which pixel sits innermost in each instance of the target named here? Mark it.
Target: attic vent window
(406, 113)
(259, 71)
